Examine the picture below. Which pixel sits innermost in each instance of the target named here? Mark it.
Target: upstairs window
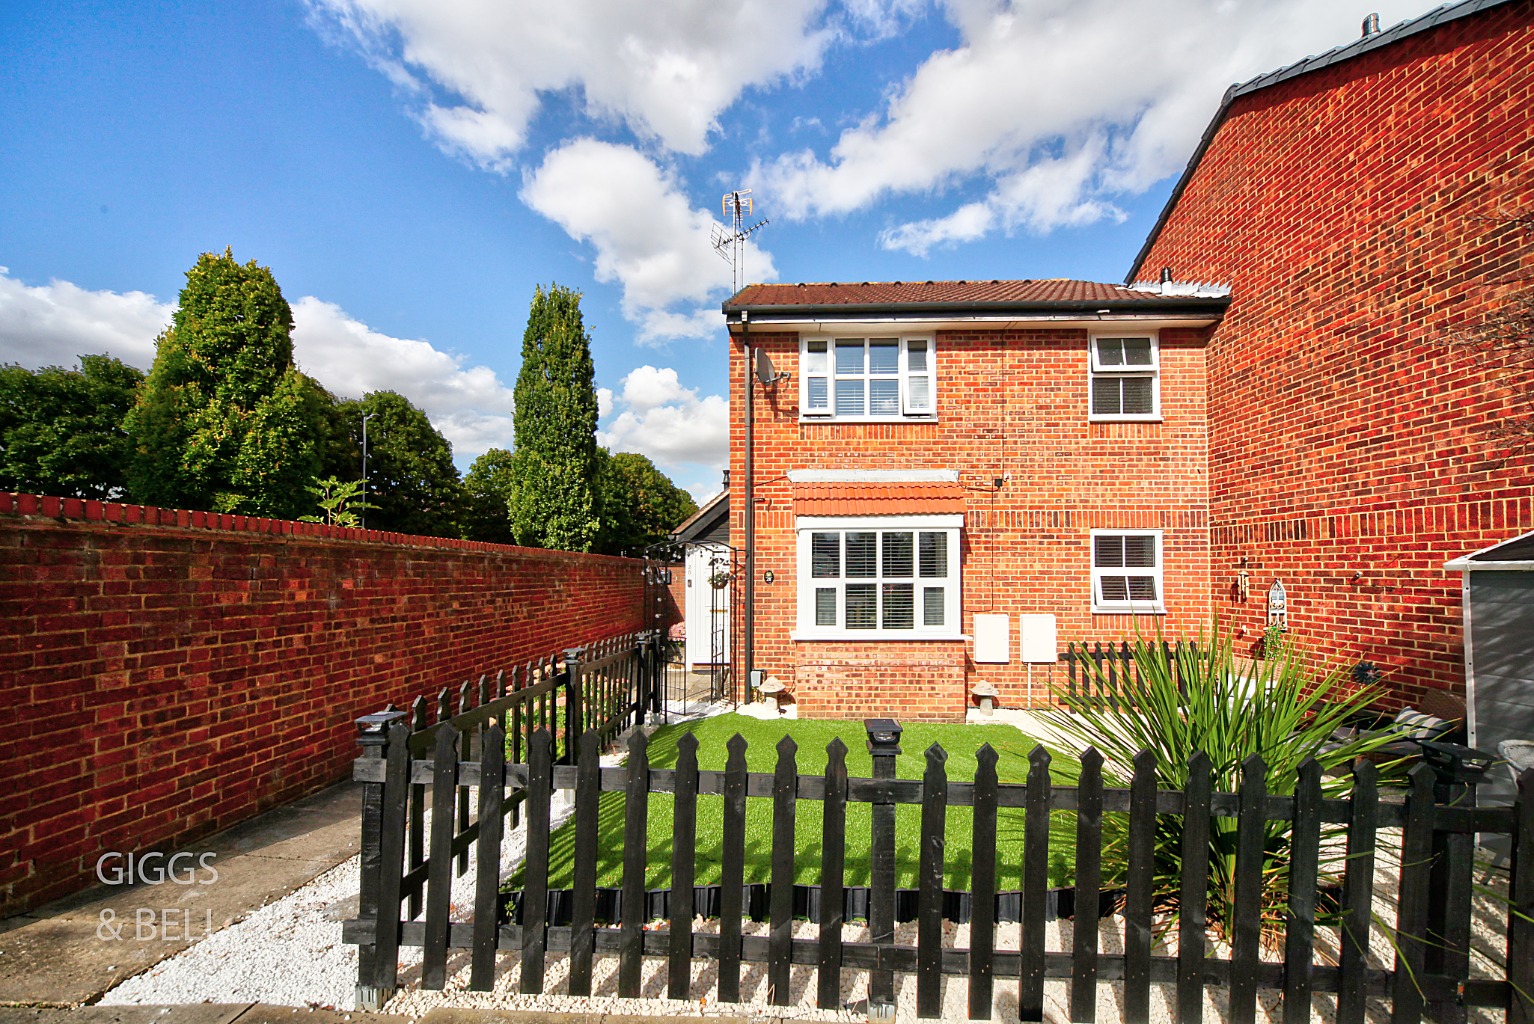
(867, 378)
(1126, 571)
(1125, 379)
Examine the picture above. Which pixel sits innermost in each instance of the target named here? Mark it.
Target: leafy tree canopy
(639, 504)
(61, 431)
(412, 484)
(488, 489)
(224, 420)
(554, 467)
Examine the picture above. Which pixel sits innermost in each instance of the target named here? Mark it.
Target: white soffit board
(993, 639)
(1036, 638)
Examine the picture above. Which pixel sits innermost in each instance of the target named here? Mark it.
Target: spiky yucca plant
(1182, 701)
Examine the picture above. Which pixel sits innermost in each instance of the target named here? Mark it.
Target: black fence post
(884, 746)
(574, 704)
(658, 671)
(373, 737)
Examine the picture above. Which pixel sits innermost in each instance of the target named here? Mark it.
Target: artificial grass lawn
(960, 741)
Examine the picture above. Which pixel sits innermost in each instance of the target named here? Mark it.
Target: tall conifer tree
(554, 466)
(223, 421)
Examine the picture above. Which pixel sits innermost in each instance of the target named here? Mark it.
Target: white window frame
(1097, 369)
(949, 525)
(1156, 607)
(910, 405)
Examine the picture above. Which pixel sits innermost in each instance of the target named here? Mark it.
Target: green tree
(487, 498)
(61, 431)
(639, 504)
(224, 420)
(554, 467)
(412, 484)
(335, 441)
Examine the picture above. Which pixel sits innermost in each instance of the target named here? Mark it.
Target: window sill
(1125, 419)
(1139, 609)
(876, 636)
(866, 419)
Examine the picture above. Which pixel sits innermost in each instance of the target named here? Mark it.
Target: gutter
(1190, 306)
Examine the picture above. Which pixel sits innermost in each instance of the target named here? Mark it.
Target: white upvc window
(1126, 571)
(867, 378)
(1125, 378)
(878, 577)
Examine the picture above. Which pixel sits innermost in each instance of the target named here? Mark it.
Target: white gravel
(290, 953)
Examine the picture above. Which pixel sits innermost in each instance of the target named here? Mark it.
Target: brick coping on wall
(94, 511)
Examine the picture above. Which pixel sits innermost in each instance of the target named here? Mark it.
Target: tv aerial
(731, 245)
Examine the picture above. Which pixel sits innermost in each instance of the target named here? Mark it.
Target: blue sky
(411, 169)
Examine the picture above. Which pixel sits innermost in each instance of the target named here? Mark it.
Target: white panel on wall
(1036, 638)
(993, 639)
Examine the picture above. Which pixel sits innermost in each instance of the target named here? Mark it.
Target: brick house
(923, 453)
(914, 455)
(1358, 203)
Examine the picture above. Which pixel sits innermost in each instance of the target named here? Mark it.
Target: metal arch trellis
(662, 561)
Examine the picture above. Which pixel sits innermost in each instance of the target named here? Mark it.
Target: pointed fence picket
(398, 761)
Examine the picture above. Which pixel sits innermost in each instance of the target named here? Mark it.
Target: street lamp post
(365, 418)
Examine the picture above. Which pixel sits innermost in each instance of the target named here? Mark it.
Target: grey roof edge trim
(1478, 559)
(1337, 55)
(1465, 565)
(704, 519)
(820, 310)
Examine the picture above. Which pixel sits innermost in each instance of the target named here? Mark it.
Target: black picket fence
(1112, 666)
(1431, 971)
(599, 689)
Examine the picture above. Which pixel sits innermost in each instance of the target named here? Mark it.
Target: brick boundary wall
(167, 674)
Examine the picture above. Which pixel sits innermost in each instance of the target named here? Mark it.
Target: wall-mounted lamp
(1243, 582)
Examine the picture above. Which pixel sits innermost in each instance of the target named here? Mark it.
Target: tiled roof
(947, 293)
(878, 499)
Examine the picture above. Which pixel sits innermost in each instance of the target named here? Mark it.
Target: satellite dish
(765, 371)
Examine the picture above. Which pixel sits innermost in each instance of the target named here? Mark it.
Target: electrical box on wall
(1037, 639)
(993, 639)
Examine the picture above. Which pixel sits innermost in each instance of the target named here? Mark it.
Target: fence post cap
(373, 730)
(883, 736)
(573, 653)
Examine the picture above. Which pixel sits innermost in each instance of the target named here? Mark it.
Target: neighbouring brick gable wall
(167, 674)
(1358, 214)
(1009, 402)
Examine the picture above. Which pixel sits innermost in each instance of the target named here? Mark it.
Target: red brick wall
(1359, 214)
(1009, 402)
(167, 674)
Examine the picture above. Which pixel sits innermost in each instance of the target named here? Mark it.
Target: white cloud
(1052, 107)
(468, 404)
(685, 434)
(664, 68)
(56, 323)
(647, 236)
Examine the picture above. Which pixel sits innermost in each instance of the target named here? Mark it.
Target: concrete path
(259, 1013)
(69, 952)
(61, 957)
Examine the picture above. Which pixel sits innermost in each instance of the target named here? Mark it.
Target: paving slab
(262, 1013)
(71, 951)
(196, 1013)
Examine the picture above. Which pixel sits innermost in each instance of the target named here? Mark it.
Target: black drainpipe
(748, 638)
